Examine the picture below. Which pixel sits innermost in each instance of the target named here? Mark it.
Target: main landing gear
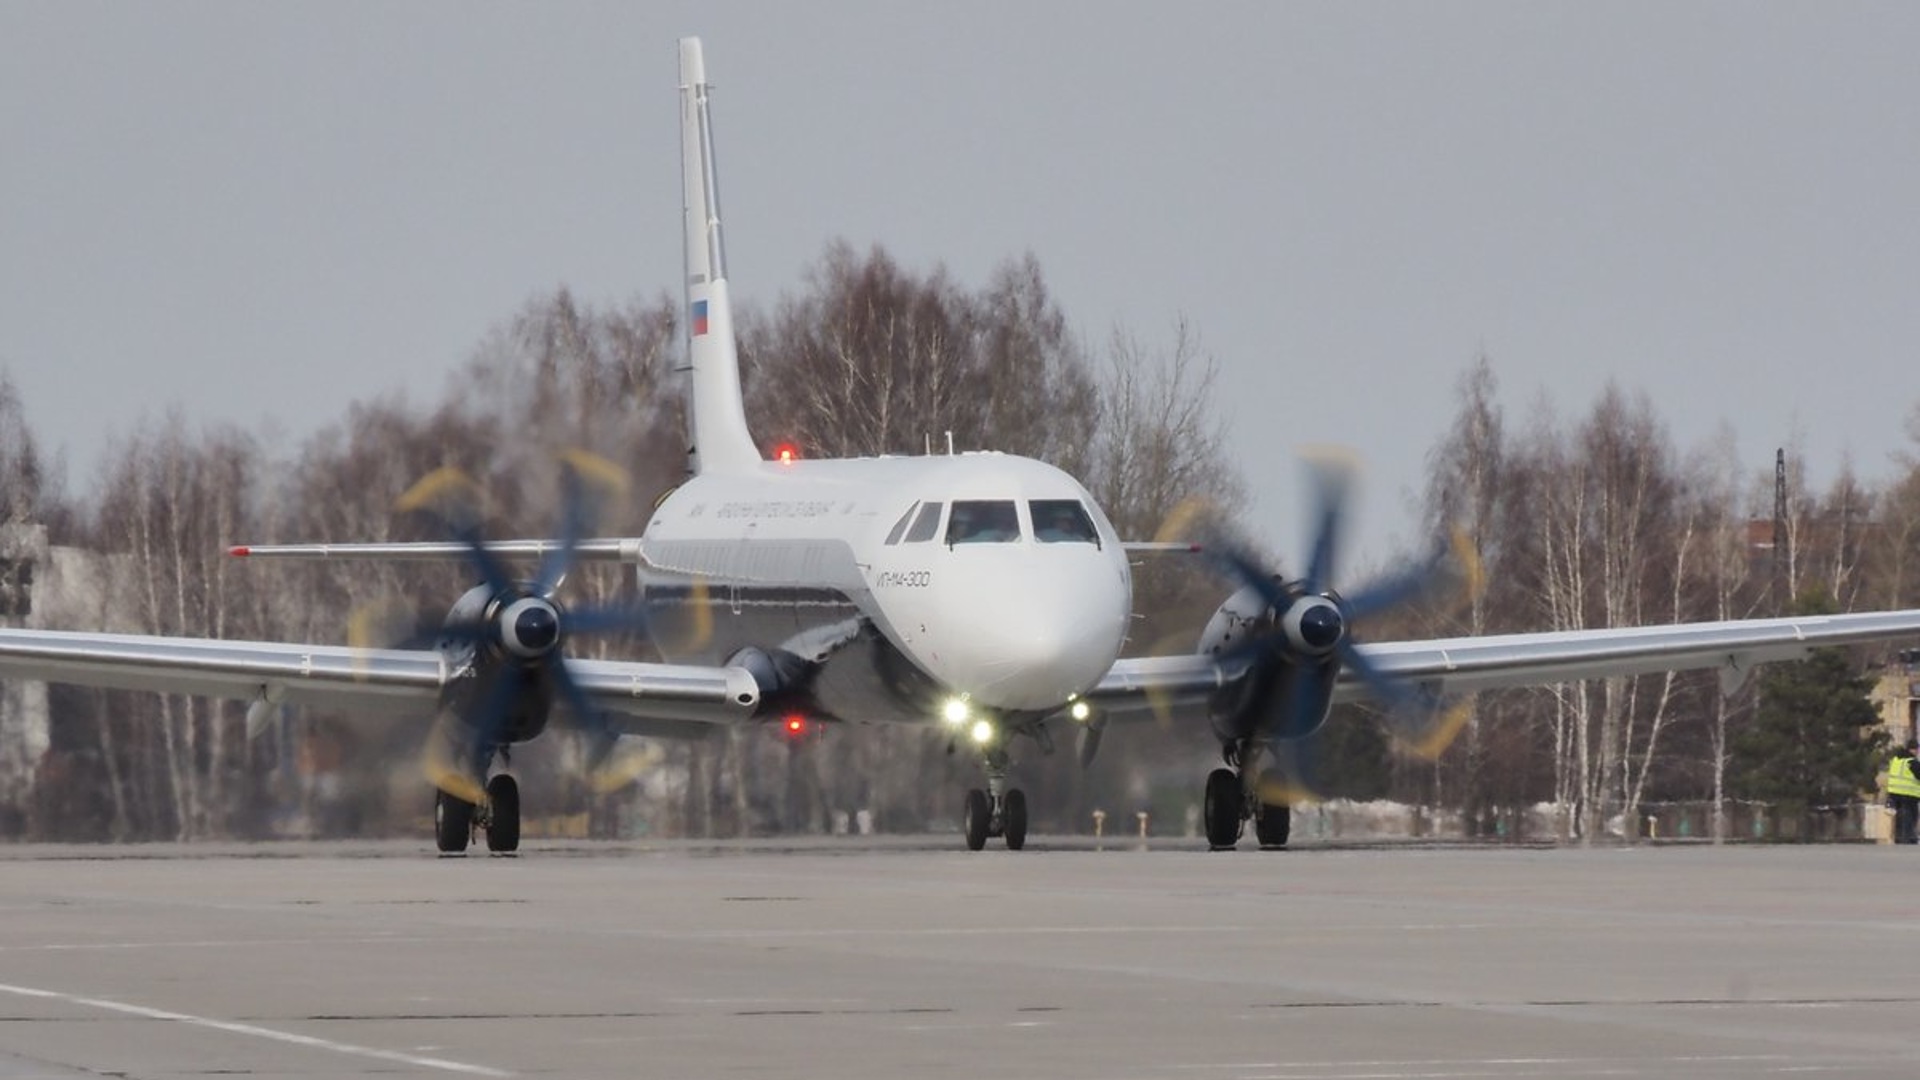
(498, 818)
(1233, 798)
(999, 811)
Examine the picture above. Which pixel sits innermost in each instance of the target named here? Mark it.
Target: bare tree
(170, 508)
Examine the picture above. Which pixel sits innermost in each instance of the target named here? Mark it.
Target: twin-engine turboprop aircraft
(987, 592)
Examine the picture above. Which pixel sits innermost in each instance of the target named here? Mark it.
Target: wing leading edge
(1467, 664)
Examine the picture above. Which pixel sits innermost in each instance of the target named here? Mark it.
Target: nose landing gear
(999, 811)
(985, 817)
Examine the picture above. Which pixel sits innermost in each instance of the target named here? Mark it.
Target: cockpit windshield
(983, 521)
(900, 527)
(1062, 521)
(926, 524)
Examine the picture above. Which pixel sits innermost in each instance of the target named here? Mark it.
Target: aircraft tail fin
(717, 420)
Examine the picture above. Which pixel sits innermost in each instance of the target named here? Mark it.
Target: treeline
(1593, 520)
(868, 357)
(1598, 520)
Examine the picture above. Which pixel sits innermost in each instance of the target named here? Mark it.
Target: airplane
(985, 593)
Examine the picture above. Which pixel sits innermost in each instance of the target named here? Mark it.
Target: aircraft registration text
(799, 508)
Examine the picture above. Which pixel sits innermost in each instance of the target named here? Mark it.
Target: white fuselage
(817, 556)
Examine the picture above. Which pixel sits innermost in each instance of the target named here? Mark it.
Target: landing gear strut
(1231, 800)
(999, 811)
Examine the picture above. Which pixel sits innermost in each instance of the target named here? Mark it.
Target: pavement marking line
(107, 946)
(236, 1028)
(1487, 1062)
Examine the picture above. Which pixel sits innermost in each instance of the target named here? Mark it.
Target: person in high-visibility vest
(1903, 794)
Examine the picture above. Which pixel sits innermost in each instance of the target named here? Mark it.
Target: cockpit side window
(899, 527)
(926, 524)
(983, 521)
(1062, 521)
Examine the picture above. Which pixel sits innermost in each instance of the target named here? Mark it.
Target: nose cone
(1033, 631)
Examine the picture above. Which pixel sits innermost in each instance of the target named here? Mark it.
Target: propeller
(517, 628)
(1308, 629)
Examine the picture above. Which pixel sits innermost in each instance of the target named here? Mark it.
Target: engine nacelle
(1263, 703)
(1301, 639)
(1243, 615)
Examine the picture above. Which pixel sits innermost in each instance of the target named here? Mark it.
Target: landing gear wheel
(1226, 801)
(503, 820)
(976, 819)
(1273, 823)
(452, 822)
(1014, 814)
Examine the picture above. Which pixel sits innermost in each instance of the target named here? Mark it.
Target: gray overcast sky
(261, 212)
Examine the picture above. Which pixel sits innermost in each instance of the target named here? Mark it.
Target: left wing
(1466, 664)
(644, 698)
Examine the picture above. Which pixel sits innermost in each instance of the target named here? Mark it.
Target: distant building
(23, 705)
(41, 587)
(1897, 695)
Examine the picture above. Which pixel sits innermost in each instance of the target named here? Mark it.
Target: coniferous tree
(1815, 741)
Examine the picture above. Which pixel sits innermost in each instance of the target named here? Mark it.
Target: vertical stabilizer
(718, 417)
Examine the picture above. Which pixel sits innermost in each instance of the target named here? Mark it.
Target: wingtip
(240, 551)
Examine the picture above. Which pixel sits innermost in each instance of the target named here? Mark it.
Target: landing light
(982, 732)
(1080, 710)
(955, 711)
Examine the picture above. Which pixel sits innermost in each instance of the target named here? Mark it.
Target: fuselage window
(899, 527)
(926, 524)
(983, 521)
(1062, 521)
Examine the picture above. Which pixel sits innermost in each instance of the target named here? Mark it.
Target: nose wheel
(981, 819)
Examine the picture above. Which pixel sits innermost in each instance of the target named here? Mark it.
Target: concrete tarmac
(918, 959)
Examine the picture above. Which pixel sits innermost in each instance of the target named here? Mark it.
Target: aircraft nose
(1051, 631)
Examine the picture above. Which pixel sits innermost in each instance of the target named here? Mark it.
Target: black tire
(1273, 824)
(1225, 802)
(503, 823)
(452, 823)
(1014, 816)
(976, 819)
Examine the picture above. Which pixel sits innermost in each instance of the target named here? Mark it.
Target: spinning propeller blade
(518, 630)
(1306, 633)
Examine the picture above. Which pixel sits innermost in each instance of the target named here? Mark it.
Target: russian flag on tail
(699, 317)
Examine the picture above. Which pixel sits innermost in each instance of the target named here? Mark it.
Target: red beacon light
(794, 726)
(786, 453)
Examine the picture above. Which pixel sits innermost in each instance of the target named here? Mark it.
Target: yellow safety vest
(1900, 778)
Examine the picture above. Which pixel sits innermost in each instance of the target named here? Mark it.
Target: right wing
(1463, 665)
(640, 698)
